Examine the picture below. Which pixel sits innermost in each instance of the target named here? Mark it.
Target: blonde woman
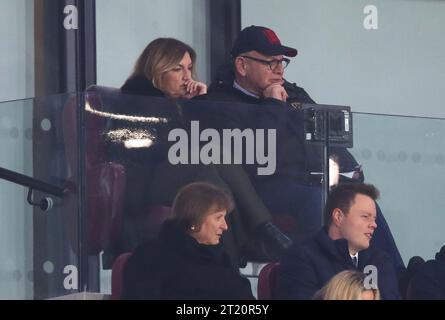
(166, 68)
(347, 285)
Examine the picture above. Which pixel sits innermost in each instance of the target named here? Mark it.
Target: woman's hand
(194, 88)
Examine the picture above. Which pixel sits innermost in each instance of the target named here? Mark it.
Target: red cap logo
(271, 37)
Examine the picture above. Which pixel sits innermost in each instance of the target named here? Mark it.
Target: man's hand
(195, 88)
(275, 91)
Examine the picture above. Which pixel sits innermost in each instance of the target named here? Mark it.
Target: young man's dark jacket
(307, 268)
(176, 266)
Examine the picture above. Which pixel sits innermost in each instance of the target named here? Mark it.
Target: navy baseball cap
(260, 39)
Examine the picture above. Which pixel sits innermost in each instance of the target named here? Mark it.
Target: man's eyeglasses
(273, 64)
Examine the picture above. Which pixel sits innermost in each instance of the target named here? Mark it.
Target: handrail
(31, 183)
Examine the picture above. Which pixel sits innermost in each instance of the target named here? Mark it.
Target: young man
(344, 243)
(256, 76)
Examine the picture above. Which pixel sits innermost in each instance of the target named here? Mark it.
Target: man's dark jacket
(307, 268)
(176, 266)
(295, 157)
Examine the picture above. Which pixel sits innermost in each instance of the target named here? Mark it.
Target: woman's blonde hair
(159, 56)
(346, 285)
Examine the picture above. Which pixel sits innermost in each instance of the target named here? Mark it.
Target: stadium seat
(117, 275)
(267, 281)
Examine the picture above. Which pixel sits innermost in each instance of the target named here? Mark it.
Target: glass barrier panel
(404, 158)
(39, 242)
(140, 151)
(137, 152)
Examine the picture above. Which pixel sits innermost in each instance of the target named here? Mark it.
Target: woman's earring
(192, 228)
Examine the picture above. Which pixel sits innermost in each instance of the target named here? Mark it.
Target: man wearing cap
(256, 76)
(257, 70)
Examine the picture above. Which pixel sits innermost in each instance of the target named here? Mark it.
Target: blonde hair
(160, 56)
(346, 285)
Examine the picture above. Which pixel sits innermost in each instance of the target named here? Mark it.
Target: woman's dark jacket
(156, 182)
(176, 266)
(140, 85)
(141, 99)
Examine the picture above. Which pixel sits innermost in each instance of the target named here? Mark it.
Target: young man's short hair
(342, 197)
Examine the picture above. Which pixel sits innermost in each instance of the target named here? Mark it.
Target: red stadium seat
(117, 275)
(267, 281)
